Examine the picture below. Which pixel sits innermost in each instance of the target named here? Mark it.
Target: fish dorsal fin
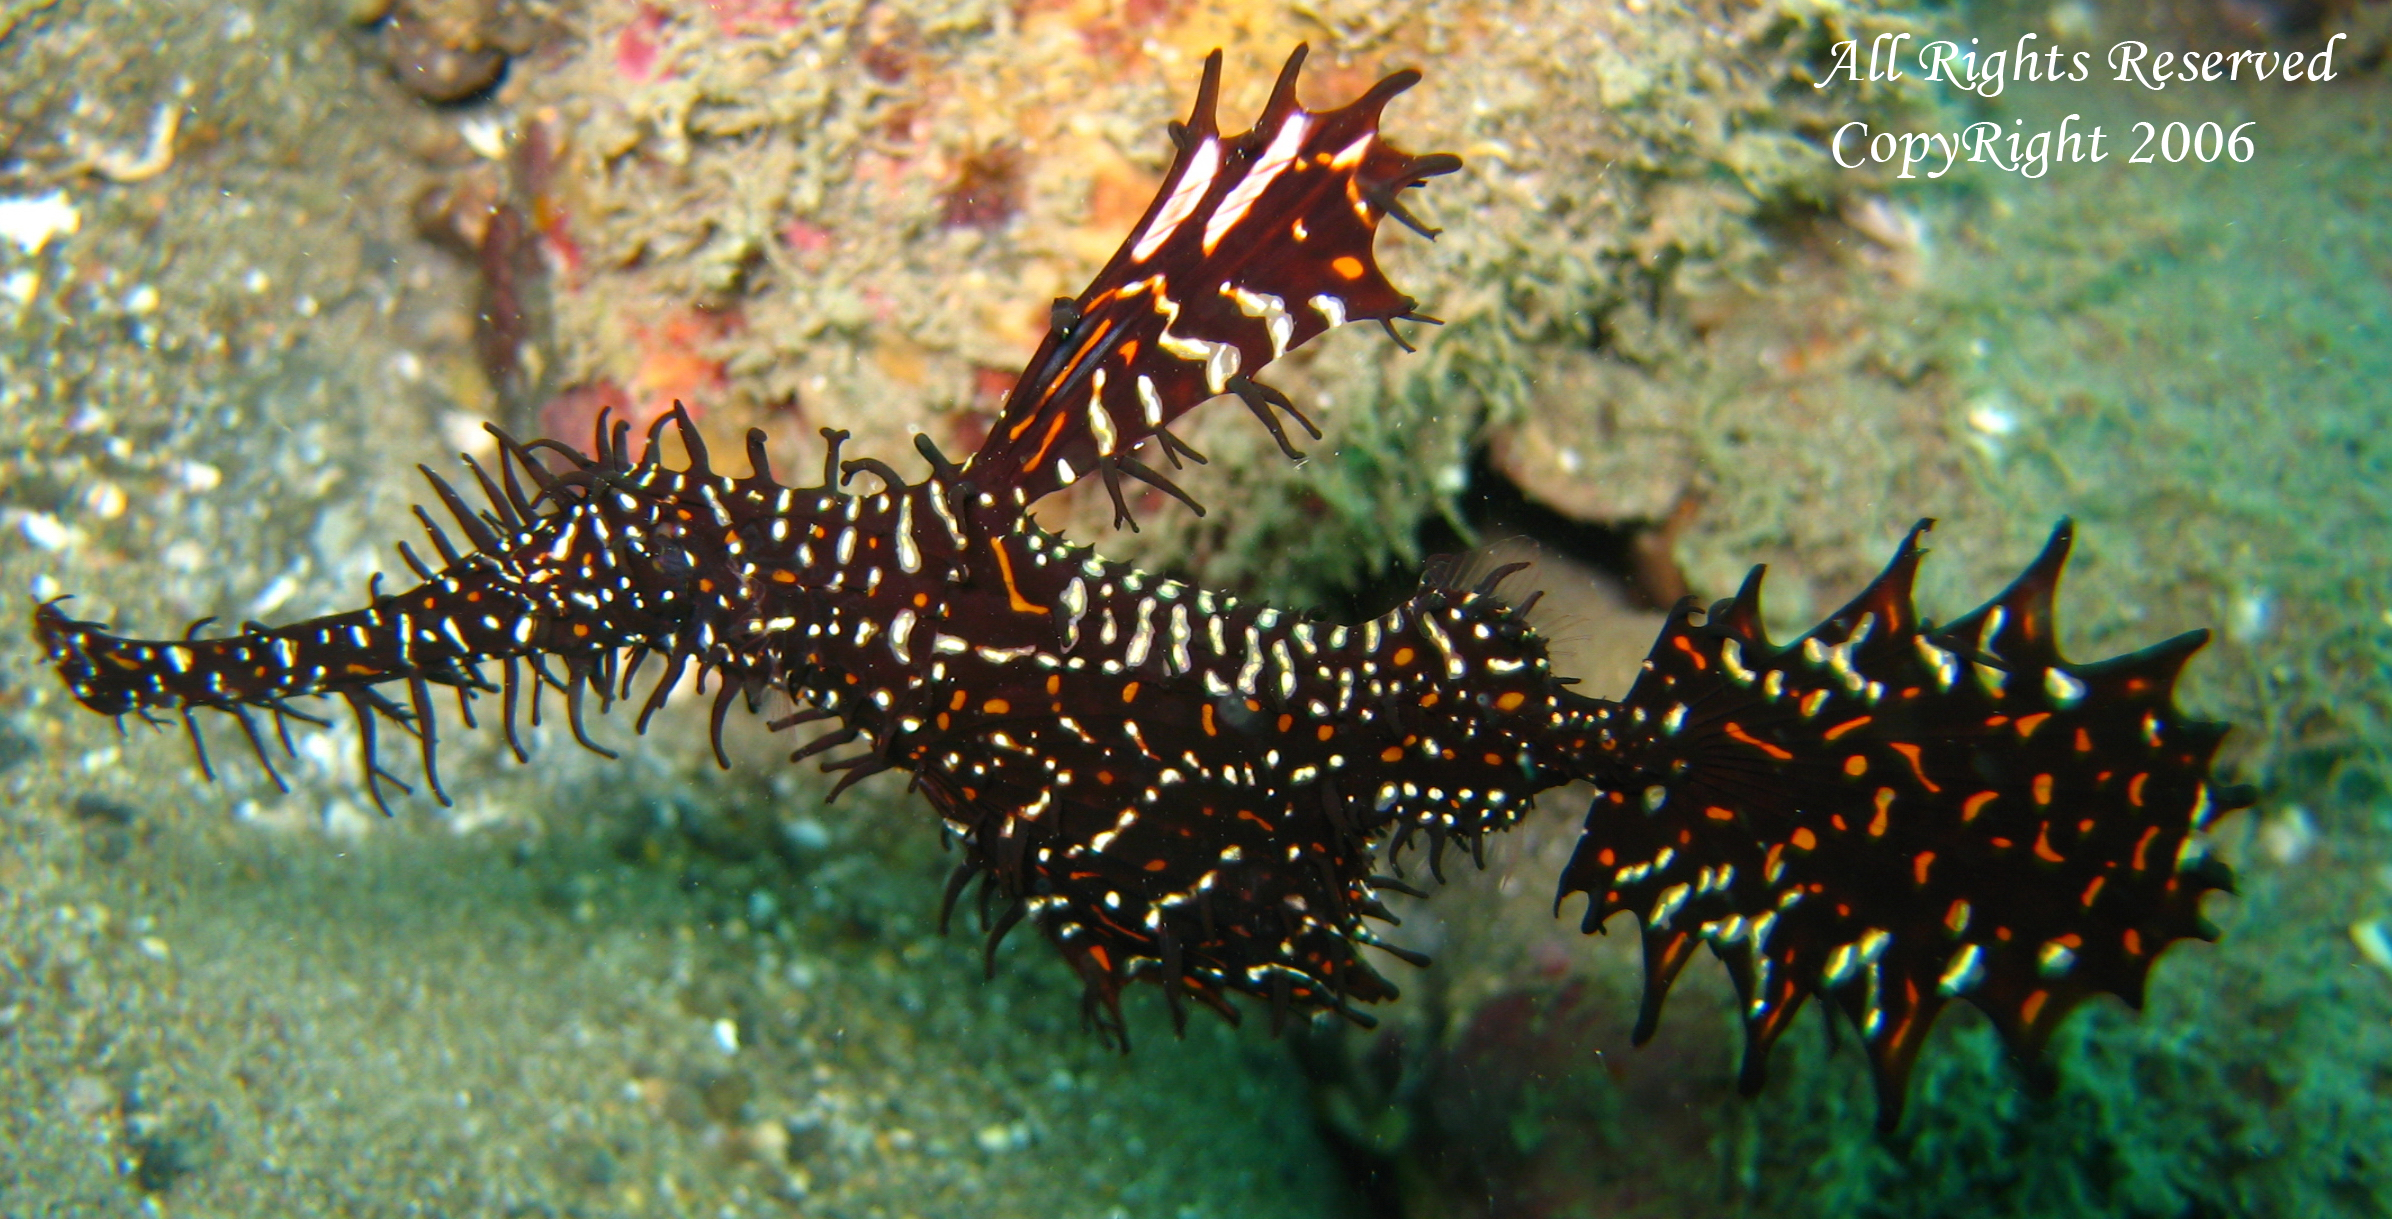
(1255, 244)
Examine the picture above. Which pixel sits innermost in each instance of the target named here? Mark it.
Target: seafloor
(261, 258)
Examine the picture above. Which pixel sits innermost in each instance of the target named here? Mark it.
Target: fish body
(1179, 787)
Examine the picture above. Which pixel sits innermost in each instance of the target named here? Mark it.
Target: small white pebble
(806, 833)
(32, 221)
(141, 301)
(2373, 943)
(284, 587)
(21, 287)
(769, 1140)
(1991, 416)
(199, 476)
(2248, 619)
(105, 500)
(153, 948)
(462, 431)
(486, 135)
(88, 1098)
(46, 531)
(726, 1036)
(1001, 1137)
(2288, 835)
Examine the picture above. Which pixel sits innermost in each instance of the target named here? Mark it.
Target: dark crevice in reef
(1493, 508)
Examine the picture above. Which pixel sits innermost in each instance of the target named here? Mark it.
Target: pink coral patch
(756, 16)
(638, 46)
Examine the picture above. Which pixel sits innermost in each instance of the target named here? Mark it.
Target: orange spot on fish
(1737, 733)
(1347, 266)
(1510, 700)
(1686, 645)
(1846, 726)
(1804, 839)
(1910, 754)
(2043, 849)
(1013, 594)
(2144, 844)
